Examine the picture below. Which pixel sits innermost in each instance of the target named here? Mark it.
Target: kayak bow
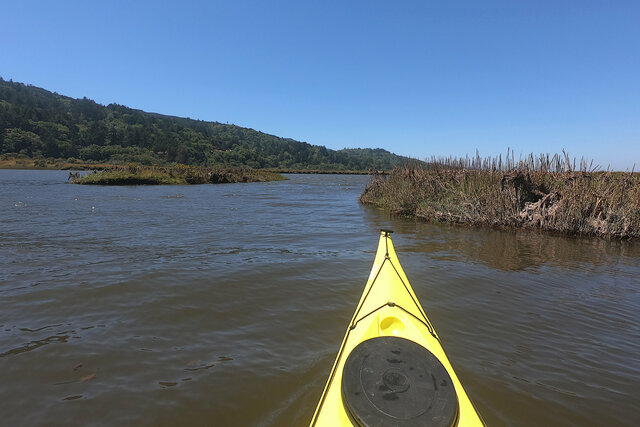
(391, 368)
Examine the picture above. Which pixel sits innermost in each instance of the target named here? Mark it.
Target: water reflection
(509, 250)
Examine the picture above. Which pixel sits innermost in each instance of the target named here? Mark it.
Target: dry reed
(539, 192)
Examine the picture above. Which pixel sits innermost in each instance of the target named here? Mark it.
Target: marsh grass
(134, 174)
(539, 192)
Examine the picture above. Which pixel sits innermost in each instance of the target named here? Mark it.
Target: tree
(23, 142)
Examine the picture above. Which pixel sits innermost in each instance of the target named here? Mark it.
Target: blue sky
(418, 78)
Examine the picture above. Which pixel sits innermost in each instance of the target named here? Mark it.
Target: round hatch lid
(395, 381)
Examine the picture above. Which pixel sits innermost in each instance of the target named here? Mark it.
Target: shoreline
(28, 163)
(593, 204)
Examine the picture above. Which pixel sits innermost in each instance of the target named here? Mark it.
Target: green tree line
(39, 123)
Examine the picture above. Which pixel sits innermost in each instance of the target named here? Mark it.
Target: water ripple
(229, 302)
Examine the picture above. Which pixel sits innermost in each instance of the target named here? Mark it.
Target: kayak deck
(388, 307)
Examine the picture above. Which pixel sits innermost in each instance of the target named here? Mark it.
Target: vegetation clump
(134, 174)
(545, 193)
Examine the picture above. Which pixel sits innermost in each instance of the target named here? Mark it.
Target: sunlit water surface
(226, 304)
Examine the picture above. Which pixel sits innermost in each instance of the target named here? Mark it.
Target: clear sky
(418, 78)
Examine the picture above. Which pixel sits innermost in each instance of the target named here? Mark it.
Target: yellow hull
(388, 307)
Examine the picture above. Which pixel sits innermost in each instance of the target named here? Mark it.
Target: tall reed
(541, 192)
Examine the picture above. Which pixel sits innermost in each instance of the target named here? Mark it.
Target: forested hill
(39, 123)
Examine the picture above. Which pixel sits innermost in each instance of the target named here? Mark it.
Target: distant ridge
(39, 123)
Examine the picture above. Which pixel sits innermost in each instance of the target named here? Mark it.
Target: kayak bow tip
(386, 231)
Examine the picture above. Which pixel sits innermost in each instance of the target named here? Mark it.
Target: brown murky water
(225, 305)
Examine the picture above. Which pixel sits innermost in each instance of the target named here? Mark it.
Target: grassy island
(538, 193)
(174, 175)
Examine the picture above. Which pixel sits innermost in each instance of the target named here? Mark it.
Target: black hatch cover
(395, 381)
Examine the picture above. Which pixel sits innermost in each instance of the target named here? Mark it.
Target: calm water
(225, 305)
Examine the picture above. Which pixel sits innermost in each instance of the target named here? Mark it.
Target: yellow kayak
(391, 369)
